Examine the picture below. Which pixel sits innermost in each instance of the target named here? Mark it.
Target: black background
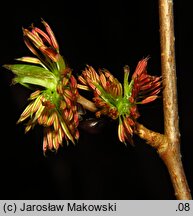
(102, 34)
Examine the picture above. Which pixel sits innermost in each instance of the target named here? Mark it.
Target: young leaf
(31, 74)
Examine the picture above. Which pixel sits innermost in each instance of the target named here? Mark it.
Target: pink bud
(149, 99)
(141, 67)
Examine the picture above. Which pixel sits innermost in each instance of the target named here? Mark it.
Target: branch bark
(168, 145)
(171, 155)
(87, 104)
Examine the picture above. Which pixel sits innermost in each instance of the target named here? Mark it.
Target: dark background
(102, 34)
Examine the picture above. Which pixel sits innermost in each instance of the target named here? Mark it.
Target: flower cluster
(120, 101)
(53, 102)
(55, 98)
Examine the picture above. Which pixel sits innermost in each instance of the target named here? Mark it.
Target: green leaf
(60, 64)
(31, 74)
(108, 98)
(127, 86)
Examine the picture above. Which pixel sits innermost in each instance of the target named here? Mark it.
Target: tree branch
(170, 104)
(87, 104)
(171, 155)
